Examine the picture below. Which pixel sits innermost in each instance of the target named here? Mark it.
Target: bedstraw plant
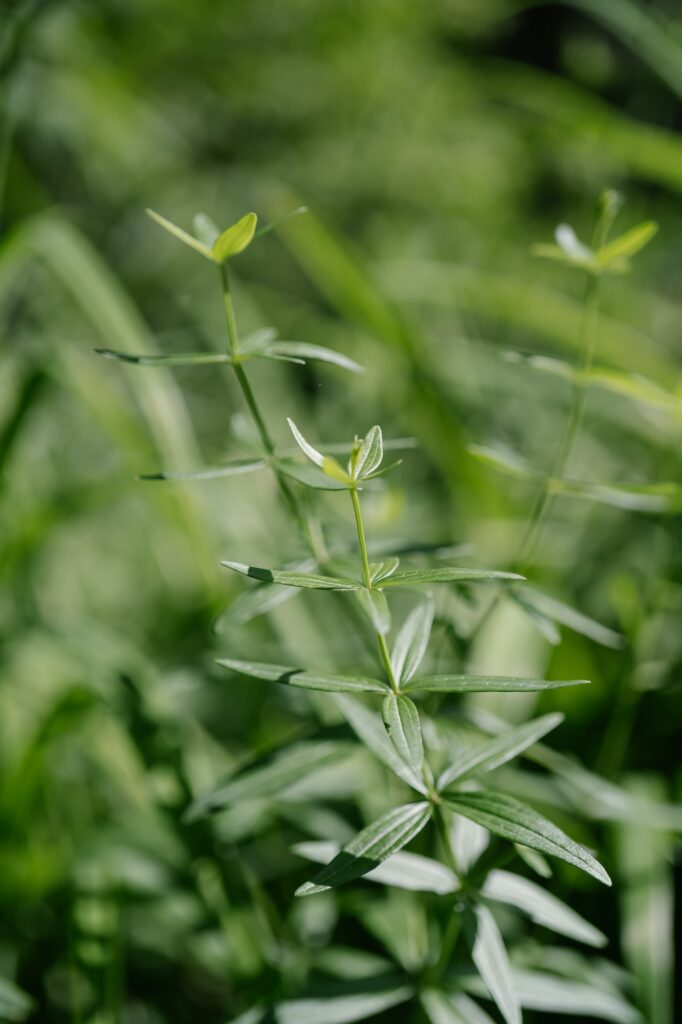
(444, 752)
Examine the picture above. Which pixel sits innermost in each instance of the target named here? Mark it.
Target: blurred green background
(434, 143)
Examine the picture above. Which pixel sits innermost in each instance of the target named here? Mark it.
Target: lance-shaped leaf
(306, 580)
(492, 963)
(373, 735)
(570, 617)
(342, 1009)
(626, 245)
(535, 861)
(303, 679)
(379, 571)
(235, 238)
(370, 454)
(452, 1008)
(519, 823)
(205, 229)
(175, 359)
(401, 719)
(402, 870)
(541, 907)
(486, 684)
(370, 847)
(412, 641)
(487, 756)
(270, 780)
(375, 607)
(303, 350)
(551, 994)
(414, 577)
(183, 236)
(235, 468)
(326, 463)
(309, 476)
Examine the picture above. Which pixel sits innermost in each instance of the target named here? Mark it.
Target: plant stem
(310, 530)
(381, 639)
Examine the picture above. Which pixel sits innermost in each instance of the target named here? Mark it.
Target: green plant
(442, 757)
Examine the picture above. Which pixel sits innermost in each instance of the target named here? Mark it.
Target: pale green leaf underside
(370, 730)
(402, 870)
(485, 684)
(519, 823)
(492, 963)
(401, 719)
(452, 1008)
(489, 755)
(370, 847)
(306, 580)
(343, 1009)
(310, 476)
(411, 642)
(370, 455)
(375, 606)
(305, 680)
(303, 350)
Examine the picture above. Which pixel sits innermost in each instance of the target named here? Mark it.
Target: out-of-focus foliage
(434, 145)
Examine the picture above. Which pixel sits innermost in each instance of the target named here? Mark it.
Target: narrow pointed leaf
(302, 350)
(372, 733)
(178, 359)
(486, 684)
(303, 679)
(567, 616)
(412, 641)
(627, 244)
(235, 468)
(235, 238)
(546, 992)
(370, 847)
(183, 236)
(492, 963)
(375, 606)
(205, 230)
(401, 719)
(487, 756)
(401, 870)
(452, 1008)
(305, 446)
(519, 823)
(270, 780)
(280, 220)
(414, 577)
(379, 571)
(306, 580)
(258, 340)
(342, 1009)
(309, 476)
(371, 453)
(535, 861)
(541, 906)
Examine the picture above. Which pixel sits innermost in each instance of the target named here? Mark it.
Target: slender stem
(381, 639)
(309, 529)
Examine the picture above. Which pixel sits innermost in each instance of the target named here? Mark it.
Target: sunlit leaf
(492, 963)
(306, 580)
(627, 244)
(487, 756)
(452, 1008)
(370, 847)
(402, 870)
(519, 823)
(401, 719)
(304, 679)
(234, 239)
(326, 463)
(370, 454)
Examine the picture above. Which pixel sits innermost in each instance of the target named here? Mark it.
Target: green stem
(309, 529)
(381, 640)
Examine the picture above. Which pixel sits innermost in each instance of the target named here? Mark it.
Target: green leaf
(303, 679)
(487, 756)
(452, 1008)
(205, 229)
(370, 454)
(567, 616)
(184, 236)
(375, 606)
(402, 870)
(235, 468)
(343, 1009)
(373, 735)
(401, 719)
(627, 244)
(15, 1005)
(541, 907)
(492, 963)
(309, 476)
(506, 461)
(179, 359)
(254, 602)
(414, 577)
(535, 861)
(306, 580)
(412, 641)
(327, 464)
(270, 780)
(370, 847)
(235, 238)
(542, 622)
(486, 684)
(258, 340)
(379, 571)
(519, 823)
(303, 351)
(550, 994)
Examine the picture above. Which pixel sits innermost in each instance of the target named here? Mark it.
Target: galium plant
(398, 717)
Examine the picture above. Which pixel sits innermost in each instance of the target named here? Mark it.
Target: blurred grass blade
(370, 847)
(411, 642)
(402, 870)
(519, 823)
(373, 735)
(452, 1008)
(401, 719)
(488, 756)
(235, 468)
(306, 580)
(415, 577)
(486, 684)
(628, 244)
(567, 616)
(181, 359)
(546, 992)
(492, 963)
(303, 679)
(541, 906)
(342, 1009)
